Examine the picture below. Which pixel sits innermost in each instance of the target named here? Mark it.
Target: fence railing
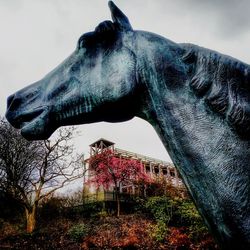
(108, 196)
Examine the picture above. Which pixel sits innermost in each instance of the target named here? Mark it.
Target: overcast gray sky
(36, 35)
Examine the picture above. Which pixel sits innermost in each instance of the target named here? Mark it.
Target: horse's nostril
(13, 102)
(10, 100)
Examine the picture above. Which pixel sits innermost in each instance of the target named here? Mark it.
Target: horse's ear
(119, 18)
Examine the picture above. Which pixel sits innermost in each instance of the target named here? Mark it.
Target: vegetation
(111, 171)
(158, 222)
(32, 171)
(78, 232)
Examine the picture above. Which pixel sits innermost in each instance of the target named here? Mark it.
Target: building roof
(101, 140)
(142, 157)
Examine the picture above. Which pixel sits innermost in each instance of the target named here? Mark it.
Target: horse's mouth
(33, 124)
(22, 120)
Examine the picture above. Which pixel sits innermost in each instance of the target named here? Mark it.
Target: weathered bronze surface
(197, 100)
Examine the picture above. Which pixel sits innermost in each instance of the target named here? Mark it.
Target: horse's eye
(85, 39)
(80, 44)
(58, 91)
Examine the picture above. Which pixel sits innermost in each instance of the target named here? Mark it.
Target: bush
(86, 210)
(175, 212)
(52, 207)
(187, 215)
(91, 209)
(102, 214)
(159, 231)
(78, 232)
(161, 208)
(1, 223)
(138, 205)
(11, 209)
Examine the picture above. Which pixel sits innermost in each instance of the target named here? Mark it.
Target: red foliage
(120, 233)
(111, 170)
(178, 239)
(207, 243)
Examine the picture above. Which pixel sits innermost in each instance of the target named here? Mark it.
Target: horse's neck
(212, 160)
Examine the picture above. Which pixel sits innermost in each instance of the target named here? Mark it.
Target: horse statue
(197, 100)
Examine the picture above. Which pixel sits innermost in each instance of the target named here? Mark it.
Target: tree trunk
(31, 219)
(118, 203)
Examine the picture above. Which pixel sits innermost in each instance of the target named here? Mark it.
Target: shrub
(159, 231)
(10, 208)
(86, 210)
(102, 214)
(78, 232)
(1, 223)
(161, 208)
(92, 209)
(187, 215)
(139, 205)
(175, 212)
(52, 207)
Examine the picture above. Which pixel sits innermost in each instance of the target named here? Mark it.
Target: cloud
(226, 18)
(37, 35)
(231, 17)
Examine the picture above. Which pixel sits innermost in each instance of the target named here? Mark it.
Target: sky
(36, 35)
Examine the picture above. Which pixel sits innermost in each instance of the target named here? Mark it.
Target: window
(164, 171)
(147, 168)
(172, 173)
(157, 170)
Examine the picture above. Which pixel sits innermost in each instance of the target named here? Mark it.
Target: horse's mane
(223, 83)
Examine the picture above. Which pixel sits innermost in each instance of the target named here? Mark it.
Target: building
(153, 167)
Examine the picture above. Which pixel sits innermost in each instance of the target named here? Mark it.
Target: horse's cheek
(118, 73)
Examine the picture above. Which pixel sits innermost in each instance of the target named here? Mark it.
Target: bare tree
(31, 171)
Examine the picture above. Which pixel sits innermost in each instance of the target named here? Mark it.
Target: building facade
(155, 168)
